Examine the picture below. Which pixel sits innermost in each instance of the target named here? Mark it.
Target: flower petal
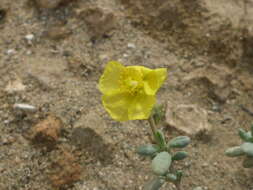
(153, 80)
(109, 81)
(141, 107)
(143, 70)
(117, 105)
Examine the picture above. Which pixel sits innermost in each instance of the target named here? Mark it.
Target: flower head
(129, 92)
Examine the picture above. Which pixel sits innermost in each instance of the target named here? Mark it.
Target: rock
(217, 75)
(90, 133)
(7, 140)
(10, 51)
(29, 38)
(131, 45)
(187, 118)
(99, 21)
(48, 4)
(25, 108)
(246, 81)
(96, 123)
(15, 86)
(213, 82)
(66, 169)
(47, 131)
(51, 4)
(58, 32)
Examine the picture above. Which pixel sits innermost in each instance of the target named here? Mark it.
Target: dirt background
(52, 54)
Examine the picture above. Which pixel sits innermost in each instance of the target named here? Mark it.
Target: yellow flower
(129, 92)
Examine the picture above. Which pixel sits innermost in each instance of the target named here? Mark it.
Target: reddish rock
(47, 131)
(66, 170)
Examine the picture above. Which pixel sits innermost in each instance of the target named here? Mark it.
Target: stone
(131, 45)
(29, 37)
(25, 107)
(15, 86)
(246, 81)
(47, 131)
(66, 169)
(187, 118)
(99, 21)
(58, 32)
(48, 4)
(213, 82)
(95, 122)
(10, 51)
(91, 134)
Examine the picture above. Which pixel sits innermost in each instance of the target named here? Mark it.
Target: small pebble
(131, 45)
(25, 107)
(29, 37)
(10, 51)
(29, 52)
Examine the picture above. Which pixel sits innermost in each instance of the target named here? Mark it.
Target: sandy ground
(52, 54)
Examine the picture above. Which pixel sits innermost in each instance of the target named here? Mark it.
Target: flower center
(131, 82)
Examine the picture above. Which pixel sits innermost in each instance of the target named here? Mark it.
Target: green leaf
(248, 162)
(158, 113)
(251, 129)
(247, 148)
(161, 163)
(180, 155)
(154, 184)
(234, 151)
(171, 177)
(179, 142)
(245, 136)
(147, 150)
(159, 136)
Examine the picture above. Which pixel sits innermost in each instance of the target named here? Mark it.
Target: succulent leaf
(179, 142)
(161, 163)
(180, 155)
(147, 150)
(247, 148)
(234, 151)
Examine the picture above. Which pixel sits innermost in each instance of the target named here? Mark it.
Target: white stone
(15, 86)
(131, 45)
(25, 107)
(29, 37)
(10, 51)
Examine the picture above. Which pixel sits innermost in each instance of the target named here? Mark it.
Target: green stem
(152, 126)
